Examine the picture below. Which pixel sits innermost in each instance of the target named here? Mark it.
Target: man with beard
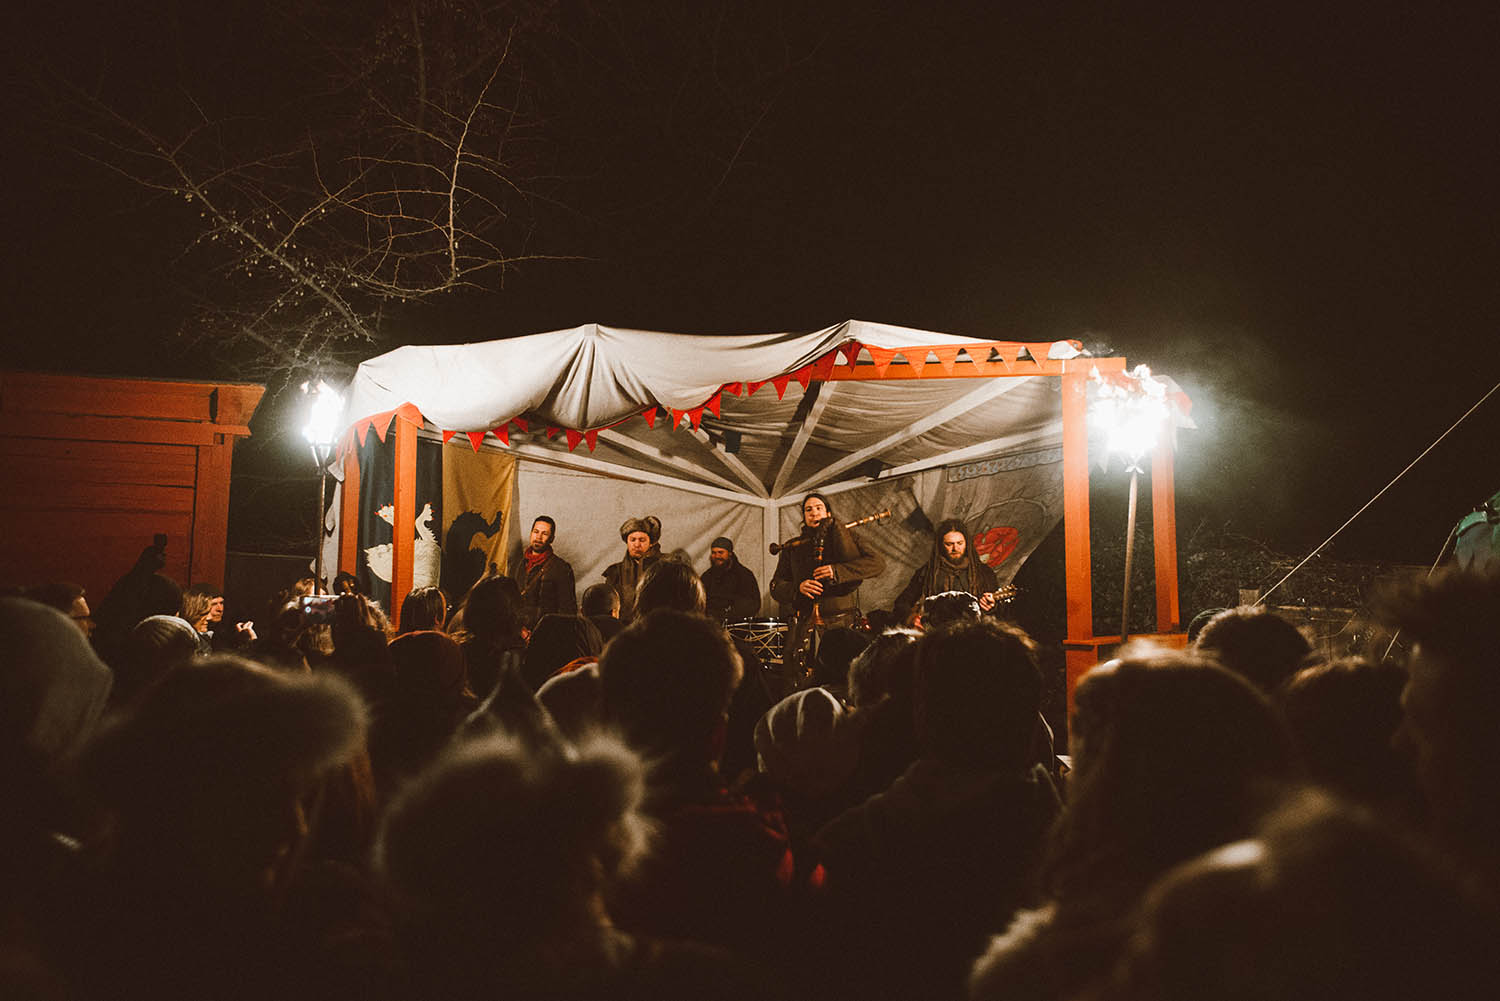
(954, 566)
(730, 586)
(818, 574)
(642, 537)
(544, 578)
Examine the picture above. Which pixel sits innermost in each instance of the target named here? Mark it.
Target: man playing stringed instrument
(954, 566)
(818, 574)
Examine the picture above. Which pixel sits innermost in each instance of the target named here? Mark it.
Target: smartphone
(317, 609)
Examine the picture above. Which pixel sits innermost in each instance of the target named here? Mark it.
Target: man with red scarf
(544, 578)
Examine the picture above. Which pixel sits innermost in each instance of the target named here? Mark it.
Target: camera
(317, 609)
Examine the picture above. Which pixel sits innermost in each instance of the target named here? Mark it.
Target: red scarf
(535, 559)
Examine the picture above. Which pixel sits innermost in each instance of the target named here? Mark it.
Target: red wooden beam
(1164, 536)
(404, 516)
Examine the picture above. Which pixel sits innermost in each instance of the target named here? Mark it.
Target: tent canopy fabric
(753, 418)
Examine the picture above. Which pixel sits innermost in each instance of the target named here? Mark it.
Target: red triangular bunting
(1038, 353)
(476, 438)
(696, 416)
(947, 357)
(592, 437)
(803, 376)
(677, 416)
(780, 383)
(713, 404)
(882, 359)
(823, 367)
(553, 433)
(448, 436)
(503, 433)
(917, 359)
(574, 437)
(650, 414)
(732, 388)
(520, 424)
(751, 387)
(851, 354)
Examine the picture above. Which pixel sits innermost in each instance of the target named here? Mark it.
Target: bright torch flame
(323, 415)
(1132, 409)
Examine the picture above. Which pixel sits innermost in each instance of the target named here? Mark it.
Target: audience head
(883, 668)
(1451, 701)
(423, 608)
(67, 598)
(492, 609)
(207, 774)
(53, 688)
(839, 646)
(1170, 754)
(499, 846)
(1342, 716)
(196, 608)
(557, 641)
(1322, 903)
(672, 585)
(1255, 643)
(949, 608)
(666, 682)
(155, 646)
(600, 599)
(978, 692)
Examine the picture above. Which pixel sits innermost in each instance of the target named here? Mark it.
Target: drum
(767, 637)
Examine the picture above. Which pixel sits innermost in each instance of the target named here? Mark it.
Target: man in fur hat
(544, 579)
(642, 538)
(730, 586)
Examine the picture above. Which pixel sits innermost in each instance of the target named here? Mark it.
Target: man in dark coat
(544, 578)
(642, 538)
(954, 566)
(730, 586)
(818, 575)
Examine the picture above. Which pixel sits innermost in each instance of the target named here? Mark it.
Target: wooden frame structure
(94, 467)
(1001, 361)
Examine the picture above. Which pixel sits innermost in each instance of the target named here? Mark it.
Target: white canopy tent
(725, 433)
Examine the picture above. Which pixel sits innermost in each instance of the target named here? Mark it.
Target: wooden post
(349, 515)
(404, 516)
(1164, 534)
(211, 512)
(1077, 553)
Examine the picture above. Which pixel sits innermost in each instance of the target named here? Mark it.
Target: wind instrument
(777, 547)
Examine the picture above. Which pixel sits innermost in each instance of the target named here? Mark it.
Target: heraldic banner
(479, 490)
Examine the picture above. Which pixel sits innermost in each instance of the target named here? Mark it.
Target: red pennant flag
(592, 437)
(803, 376)
(383, 424)
(520, 424)
(947, 357)
(851, 354)
(476, 438)
(650, 414)
(553, 433)
(1038, 353)
(503, 433)
(574, 437)
(733, 388)
(696, 416)
(713, 404)
(882, 358)
(677, 418)
(447, 436)
(751, 387)
(823, 367)
(780, 383)
(917, 359)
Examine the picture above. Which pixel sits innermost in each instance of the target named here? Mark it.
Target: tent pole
(404, 516)
(1164, 539)
(1077, 554)
(349, 514)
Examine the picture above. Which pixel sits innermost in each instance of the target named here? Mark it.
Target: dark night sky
(1292, 212)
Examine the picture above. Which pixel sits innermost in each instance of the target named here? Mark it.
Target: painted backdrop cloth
(478, 492)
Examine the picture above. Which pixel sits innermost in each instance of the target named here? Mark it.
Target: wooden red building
(92, 468)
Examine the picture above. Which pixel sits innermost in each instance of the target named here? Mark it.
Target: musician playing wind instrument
(818, 575)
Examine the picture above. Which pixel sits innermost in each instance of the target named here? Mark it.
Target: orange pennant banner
(882, 358)
(947, 357)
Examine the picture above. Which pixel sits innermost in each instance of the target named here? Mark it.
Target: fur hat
(650, 524)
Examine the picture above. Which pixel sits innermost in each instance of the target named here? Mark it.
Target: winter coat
(732, 591)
